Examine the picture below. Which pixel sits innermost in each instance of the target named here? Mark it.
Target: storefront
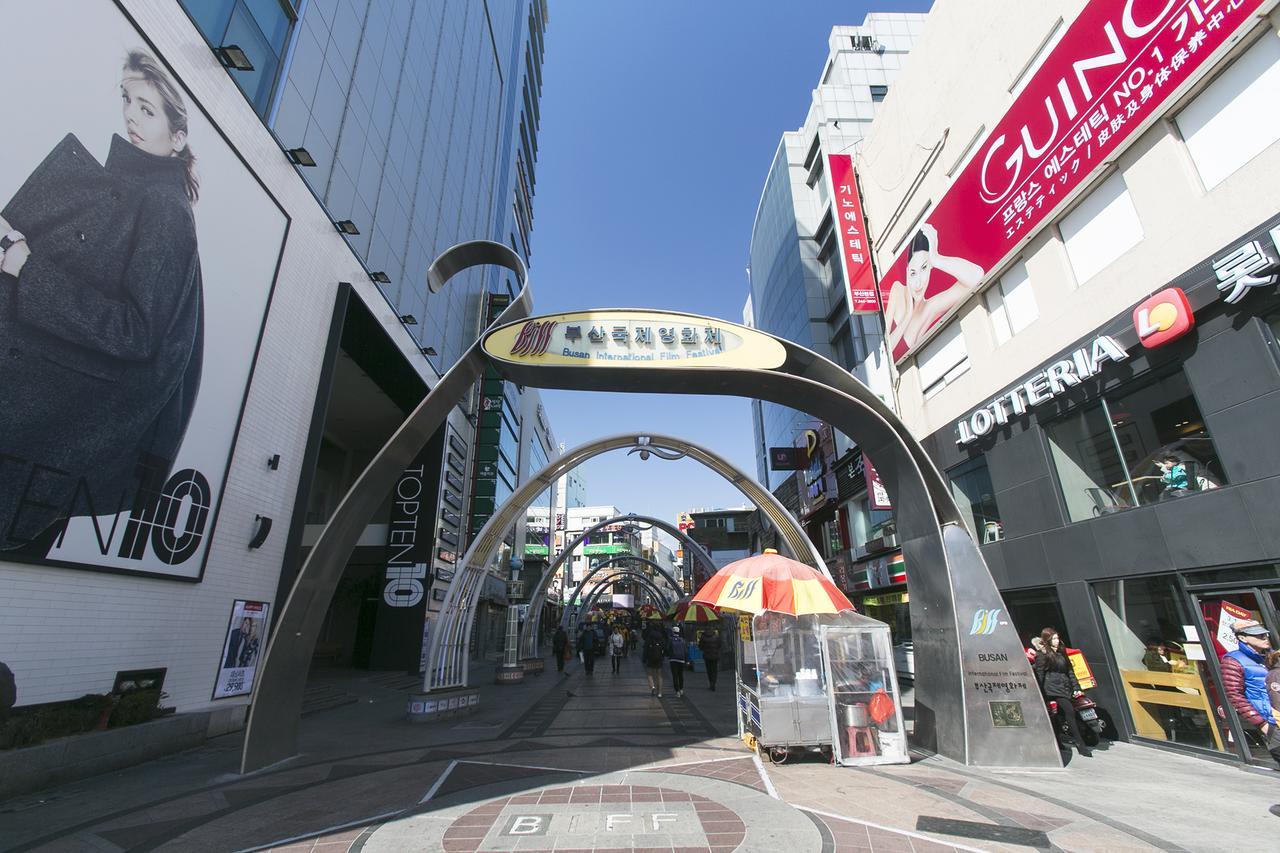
(1124, 492)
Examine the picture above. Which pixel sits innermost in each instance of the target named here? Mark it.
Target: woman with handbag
(1057, 680)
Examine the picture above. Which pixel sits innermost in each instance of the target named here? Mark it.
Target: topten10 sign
(633, 338)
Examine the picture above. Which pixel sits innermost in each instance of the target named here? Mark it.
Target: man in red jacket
(1244, 678)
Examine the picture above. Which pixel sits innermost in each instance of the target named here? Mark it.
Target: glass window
(1243, 97)
(1165, 680)
(258, 27)
(971, 487)
(1101, 228)
(1134, 448)
(943, 360)
(1033, 610)
(879, 93)
(1011, 304)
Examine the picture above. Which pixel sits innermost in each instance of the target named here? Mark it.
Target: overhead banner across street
(1106, 80)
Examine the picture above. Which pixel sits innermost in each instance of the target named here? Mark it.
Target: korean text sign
(1118, 62)
(851, 230)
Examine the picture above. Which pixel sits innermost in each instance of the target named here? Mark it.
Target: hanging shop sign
(246, 634)
(851, 231)
(625, 338)
(1163, 318)
(1116, 67)
(877, 494)
(606, 549)
(786, 459)
(1040, 387)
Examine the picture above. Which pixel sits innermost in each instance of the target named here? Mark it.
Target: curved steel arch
(448, 650)
(948, 578)
(577, 610)
(529, 635)
(271, 731)
(609, 564)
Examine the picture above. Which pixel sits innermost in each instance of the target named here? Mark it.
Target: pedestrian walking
(1057, 680)
(617, 642)
(678, 654)
(653, 650)
(709, 643)
(560, 647)
(1245, 681)
(587, 648)
(626, 640)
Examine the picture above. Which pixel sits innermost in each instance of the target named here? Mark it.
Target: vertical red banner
(855, 253)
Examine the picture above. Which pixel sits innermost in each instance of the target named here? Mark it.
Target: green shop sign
(606, 549)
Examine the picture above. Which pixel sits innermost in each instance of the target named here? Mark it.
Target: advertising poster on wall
(851, 230)
(246, 640)
(1115, 67)
(141, 255)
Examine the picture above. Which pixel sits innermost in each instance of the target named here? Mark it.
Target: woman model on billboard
(909, 313)
(100, 319)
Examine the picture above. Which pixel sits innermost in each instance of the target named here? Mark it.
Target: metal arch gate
(448, 647)
(611, 563)
(529, 634)
(573, 614)
(948, 579)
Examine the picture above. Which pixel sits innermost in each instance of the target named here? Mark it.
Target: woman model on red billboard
(909, 313)
(100, 318)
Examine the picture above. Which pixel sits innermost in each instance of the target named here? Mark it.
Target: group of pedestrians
(658, 646)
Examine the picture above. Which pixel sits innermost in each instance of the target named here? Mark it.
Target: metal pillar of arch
(271, 731)
(448, 648)
(530, 633)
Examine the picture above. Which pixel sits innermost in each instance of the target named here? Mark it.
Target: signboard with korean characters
(633, 338)
(1119, 63)
(851, 231)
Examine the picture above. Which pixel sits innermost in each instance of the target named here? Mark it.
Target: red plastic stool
(860, 740)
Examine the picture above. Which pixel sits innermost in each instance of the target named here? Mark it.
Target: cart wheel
(779, 754)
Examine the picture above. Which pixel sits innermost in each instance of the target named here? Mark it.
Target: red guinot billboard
(1118, 62)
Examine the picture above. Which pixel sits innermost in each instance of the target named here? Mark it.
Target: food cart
(821, 682)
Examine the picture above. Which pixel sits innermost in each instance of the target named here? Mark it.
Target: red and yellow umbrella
(648, 611)
(688, 610)
(770, 581)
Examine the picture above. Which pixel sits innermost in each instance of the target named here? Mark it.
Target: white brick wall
(66, 632)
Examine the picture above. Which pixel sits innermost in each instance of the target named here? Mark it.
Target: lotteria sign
(633, 338)
(1040, 387)
(1108, 78)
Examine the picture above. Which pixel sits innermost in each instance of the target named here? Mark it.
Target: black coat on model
(101, 335)
(1056, 676)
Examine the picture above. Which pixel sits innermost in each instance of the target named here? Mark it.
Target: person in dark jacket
(1057, 681)
(238, 644)
(559, 647)
(100, 318)
(653, 648)
(710, 644)
(678, 655)
(587, 646)
(1244, 679)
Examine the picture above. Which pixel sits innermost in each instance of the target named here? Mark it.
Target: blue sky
(659, 122)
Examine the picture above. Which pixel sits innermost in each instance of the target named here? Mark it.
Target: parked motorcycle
(1086, 711)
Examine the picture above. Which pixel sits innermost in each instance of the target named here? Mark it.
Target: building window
(1033, 610)
(1134, 448)
(971, 487)
(1011, 305)
(258, 27)
(1235, 119)
(943, 360)
(1146, 621)
(1101, 228)
(879, 93)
